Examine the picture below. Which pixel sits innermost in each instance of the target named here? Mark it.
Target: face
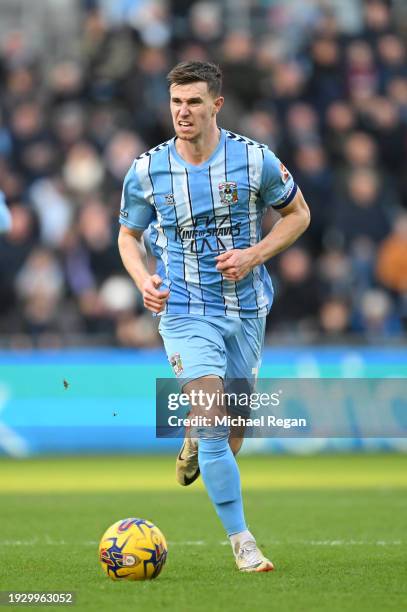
(193, 110)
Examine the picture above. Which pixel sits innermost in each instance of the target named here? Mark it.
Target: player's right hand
(154, 299)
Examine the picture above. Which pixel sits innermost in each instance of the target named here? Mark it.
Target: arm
(132, 252)
(295, 218)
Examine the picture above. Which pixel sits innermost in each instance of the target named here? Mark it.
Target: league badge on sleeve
(228, 193)
(285, 175)
(123, 211)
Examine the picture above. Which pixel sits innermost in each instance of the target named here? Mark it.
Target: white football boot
(249, 558)
(187, 468)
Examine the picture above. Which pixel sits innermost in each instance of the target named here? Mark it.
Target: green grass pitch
(335, 527)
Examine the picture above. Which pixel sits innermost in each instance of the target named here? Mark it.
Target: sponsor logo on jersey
(228, 192)
(196, 238)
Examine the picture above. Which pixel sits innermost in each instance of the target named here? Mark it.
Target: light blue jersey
(194, 213)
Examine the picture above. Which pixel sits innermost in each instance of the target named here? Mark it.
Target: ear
(217, 105)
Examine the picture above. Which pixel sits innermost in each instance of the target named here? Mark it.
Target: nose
(184, 110)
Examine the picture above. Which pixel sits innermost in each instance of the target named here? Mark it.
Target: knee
(235, 445)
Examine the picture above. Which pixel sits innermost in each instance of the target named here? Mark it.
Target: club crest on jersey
(169, 199)
(176, 364)
(228, 193)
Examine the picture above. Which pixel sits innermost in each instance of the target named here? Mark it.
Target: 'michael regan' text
(236, 421)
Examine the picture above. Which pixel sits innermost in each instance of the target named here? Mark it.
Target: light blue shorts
(223, 346)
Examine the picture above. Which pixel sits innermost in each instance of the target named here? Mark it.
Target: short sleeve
(277, 187)
(135, 211)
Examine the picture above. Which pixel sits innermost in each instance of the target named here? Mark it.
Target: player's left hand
(235, 264)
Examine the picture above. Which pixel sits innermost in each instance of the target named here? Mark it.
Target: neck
(196, 152)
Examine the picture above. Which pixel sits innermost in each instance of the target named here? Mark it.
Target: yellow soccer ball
(133, 549)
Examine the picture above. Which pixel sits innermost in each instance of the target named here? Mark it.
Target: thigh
(244, 348)
(243, 353)
(194, 346)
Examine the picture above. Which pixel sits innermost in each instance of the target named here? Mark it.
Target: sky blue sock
(222, 481)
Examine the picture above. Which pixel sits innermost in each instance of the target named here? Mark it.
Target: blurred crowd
(332, 104)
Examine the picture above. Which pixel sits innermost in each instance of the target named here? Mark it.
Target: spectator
(40, 287)
(376, 317)
(392, 258)
(365, 211)
(340, 121)
(316, 180)
(297, 294)
(327, 83)
(334, 320)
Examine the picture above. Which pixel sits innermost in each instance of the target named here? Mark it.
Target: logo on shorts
(228, 193)
(176, 364)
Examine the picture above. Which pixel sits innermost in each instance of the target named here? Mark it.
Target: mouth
(184, 125)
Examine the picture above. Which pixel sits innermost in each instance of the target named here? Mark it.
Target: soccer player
(5, 216)
(201, 195)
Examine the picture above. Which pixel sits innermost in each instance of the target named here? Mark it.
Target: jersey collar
(205, 165)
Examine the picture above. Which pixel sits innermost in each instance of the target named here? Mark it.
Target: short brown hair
(192, 72)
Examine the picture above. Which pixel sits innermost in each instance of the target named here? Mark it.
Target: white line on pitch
(48, 541)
